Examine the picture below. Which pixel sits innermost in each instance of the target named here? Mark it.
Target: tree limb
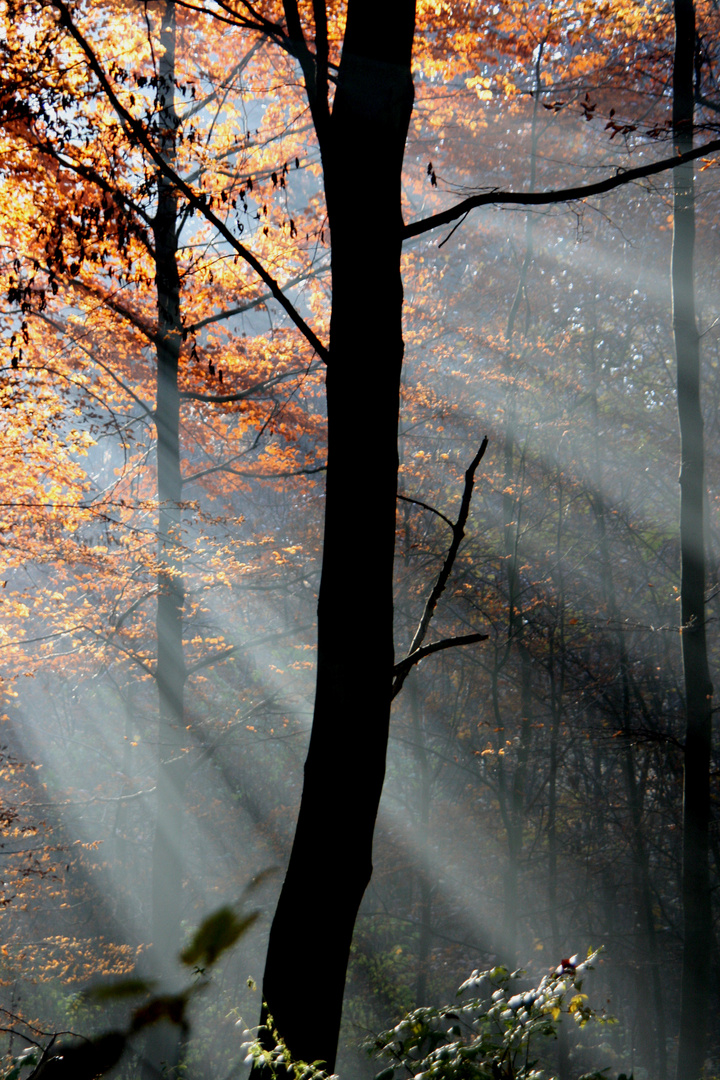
(417, 651)
(707, 103)
(458, 533)
(426, 506)
(262, 299)
(248, 475)
(231, 650)
(254, 389)
(67, 332)
(557, 195)
(401, 670)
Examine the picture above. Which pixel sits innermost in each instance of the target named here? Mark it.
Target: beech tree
(110, 222)
(696, 895)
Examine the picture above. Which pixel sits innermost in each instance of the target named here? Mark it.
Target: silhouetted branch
(254, 389)
(66, 331)
(458, 533)
(206, 101)
(401, 670)
(417, 651)
(118, 622)
(249, 474)
(557, 195)
(107, 299)
(213, 658)
(707, 103)
(426, 506)
(255, 302)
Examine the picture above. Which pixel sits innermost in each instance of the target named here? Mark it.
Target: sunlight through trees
(350, 353)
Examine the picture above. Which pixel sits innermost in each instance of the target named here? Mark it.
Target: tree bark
(698, 688)
(362, 145)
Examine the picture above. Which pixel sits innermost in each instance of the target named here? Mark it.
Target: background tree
(698, 688)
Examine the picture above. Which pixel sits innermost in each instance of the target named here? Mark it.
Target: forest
(360, 402)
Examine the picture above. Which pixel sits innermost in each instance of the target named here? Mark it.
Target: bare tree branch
(248, 474)
(254, 389)
(556, 195)
(109, 300)
(417, 651)
(707, 103)
(401, 670)
(262, 299)
(426, 506)
(66, 330)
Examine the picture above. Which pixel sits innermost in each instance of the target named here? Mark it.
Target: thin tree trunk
(424, 873)
(557, 696)
(698, 688)
(331, 861)
(170, 674)
(655, 1044)
(512, 509)
(163, 1045)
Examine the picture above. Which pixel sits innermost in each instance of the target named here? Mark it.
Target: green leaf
(122, 989)
(216, 934)
(170, 1007)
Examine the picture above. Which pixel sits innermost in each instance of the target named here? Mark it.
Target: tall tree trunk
(362, 148)
(424, 874)
(163, 1047)
(170, 675)
(556, 670)
(513, 794)
(698, 688)
(654, 1045)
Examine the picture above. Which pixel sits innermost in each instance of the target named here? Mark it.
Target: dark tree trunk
(698, 688)
(556, 671)
(362, 144)
(170, 674)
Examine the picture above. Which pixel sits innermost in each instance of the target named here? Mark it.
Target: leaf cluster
(87, 1059)
(493, 1035)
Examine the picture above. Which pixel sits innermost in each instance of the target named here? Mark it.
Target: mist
(166, 453)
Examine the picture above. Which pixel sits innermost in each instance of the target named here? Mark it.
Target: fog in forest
(533, 800)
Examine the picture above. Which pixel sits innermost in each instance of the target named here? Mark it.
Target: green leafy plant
(267, 1051)
(493, 1035)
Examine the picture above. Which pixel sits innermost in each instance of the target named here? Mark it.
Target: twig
(426, 506)
(231, 650)
(402, 669)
